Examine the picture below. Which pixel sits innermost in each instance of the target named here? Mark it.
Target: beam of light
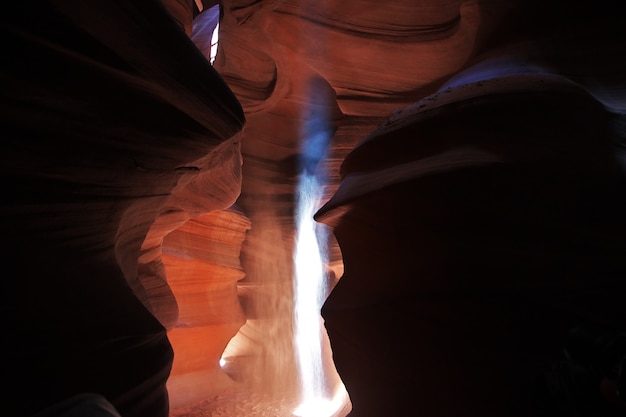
(310, 284)
(310, 292)
(309, 274)
(310, 260)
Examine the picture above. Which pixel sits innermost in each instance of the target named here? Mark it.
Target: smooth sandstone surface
(475, 197)
(108, 113)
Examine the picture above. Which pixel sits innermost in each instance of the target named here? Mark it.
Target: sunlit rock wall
(202, 266)
(355, 63)
(365, 60)
(486, 115)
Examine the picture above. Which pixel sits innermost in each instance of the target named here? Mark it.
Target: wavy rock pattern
(103, 128)
(500, 221)
(475, 184)
(476, 91)
(202, 266)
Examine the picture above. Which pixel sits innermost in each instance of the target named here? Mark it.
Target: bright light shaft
(309, 280)
(310, 259)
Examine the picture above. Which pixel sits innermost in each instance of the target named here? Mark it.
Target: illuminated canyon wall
(518, 102)
(475, 197)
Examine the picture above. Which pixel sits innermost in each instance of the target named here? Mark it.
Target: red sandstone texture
(475, 192)
(202, 267)
(108, 112)
(497, 94)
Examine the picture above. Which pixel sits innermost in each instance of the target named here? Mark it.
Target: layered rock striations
(481, 228)
(289, 62)
(202, 266)
(468, 260)
(475, 187)
(108, 112)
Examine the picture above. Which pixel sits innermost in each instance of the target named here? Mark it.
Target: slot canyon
(458, 165)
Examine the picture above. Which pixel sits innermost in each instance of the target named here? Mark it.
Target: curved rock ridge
(366, 80)
(108, 112)
(476, 273)
(395, 21)
(202, 266)
(431, 144)
(475, 184)
(353, 54)
(210, 183)
(481, 227)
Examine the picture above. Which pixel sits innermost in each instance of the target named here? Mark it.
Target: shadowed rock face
(108, 114)
(471, 255)
(476, 191)
(470, 221)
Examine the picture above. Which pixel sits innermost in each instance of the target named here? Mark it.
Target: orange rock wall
(475, 182)
(202, 267)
